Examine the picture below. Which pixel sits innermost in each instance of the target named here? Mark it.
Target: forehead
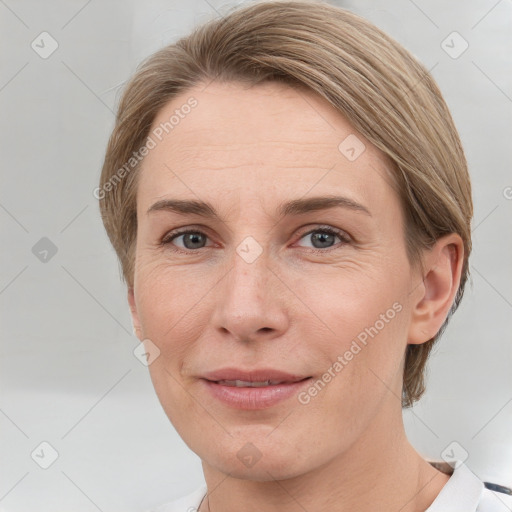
(259, 142)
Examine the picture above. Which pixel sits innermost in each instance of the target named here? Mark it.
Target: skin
(246, 150)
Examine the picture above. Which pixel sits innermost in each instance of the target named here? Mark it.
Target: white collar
(462, 491)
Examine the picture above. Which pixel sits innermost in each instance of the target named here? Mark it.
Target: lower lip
(254, 398)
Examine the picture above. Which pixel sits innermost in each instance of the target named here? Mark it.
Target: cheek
(170, 320)
(364, 342)
(362, 370)
(168, 301)
(348, 301)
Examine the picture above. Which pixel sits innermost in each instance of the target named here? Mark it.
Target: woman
(290, 203)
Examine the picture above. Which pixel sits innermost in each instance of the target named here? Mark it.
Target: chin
(259, 456)
(277, 466)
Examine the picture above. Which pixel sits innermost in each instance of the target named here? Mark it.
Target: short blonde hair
(377, 85)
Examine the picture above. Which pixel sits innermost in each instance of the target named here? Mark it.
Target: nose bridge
(247, 304)
(247, 282)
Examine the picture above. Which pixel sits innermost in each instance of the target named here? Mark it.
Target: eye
(323, 237)
(191, 239)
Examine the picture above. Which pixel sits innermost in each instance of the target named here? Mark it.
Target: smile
(248, 384)
(252, 389)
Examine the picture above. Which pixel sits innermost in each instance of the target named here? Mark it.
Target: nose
(250, 301)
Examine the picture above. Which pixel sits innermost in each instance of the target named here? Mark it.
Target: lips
(248, 384)
(256, 377)
(252, 389)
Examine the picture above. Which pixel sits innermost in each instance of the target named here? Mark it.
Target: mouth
(253, 390)
(255, 376)
(249, 384)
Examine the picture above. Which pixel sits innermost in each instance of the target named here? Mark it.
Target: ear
(442, 267)
(135, 317)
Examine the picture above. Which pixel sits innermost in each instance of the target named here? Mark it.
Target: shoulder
(466, 492)
(188, 503)
(495, 498)
(463, 488)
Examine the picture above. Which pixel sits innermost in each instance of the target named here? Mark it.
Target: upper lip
(252, 375)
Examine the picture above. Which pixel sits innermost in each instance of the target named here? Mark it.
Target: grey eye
(191, 239)
(323, 238)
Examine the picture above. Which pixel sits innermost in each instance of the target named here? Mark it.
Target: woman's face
(266, 287)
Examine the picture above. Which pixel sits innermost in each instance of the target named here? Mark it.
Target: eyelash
(169, 237)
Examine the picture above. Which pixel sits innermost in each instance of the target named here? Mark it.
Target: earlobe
(135, 317)
(442, 267)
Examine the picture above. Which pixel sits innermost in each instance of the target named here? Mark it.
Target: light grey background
(68, 373)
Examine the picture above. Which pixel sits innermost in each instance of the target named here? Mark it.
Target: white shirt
(464, 492)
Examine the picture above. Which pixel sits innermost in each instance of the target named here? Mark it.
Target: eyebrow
(294, 207)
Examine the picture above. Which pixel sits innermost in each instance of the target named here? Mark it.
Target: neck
(380, 468)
